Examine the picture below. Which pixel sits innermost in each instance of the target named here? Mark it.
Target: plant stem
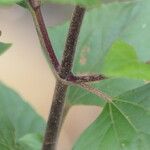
(58, 108)
(84, 78)
(55, 118)
(71, 41)
(64, 76)
(34, 7)
(58, 105)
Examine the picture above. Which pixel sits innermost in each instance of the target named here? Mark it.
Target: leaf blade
(78, 2)
(112, 87)
(8, 2)
(18, 121)
(98, 34)
(22, 116)
(130, 123)
(122, 61)
(4, 47)
(30, 142)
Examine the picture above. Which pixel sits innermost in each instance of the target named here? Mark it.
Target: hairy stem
(71, 42)
(63, 72)
(34, 7)
(55, 118)
(64, 76)
(58, 105)
(85, 78)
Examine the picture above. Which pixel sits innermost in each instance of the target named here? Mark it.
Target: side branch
(71, 42)
(83, 79)
(34, 7)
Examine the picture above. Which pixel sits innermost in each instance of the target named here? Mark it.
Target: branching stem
(58, 104)
(62, 72)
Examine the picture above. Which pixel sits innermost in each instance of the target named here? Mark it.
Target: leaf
(23, 118)
(7, 133)
(4, 47)
(127, 21)
(75, 2)
(8, 2)
(21, 127)
(122, 61)
(30, 142)
(22, 4)
(96, 37)
(112, 87)
(123, 124)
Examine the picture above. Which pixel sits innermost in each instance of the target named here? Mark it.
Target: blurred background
(24, 68)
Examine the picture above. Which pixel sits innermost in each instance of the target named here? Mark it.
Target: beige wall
(24, 68)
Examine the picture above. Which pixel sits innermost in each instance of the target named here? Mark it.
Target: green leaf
(8, 2)
(123, 125)
(112, 87)
(75, 2)
(7, 133)
(22, 4)
(127, 21)
(21, 128)
(86, 3)
(122, 61)
(96, 37)
(4, 47)
(23, 118)
(30, 142)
